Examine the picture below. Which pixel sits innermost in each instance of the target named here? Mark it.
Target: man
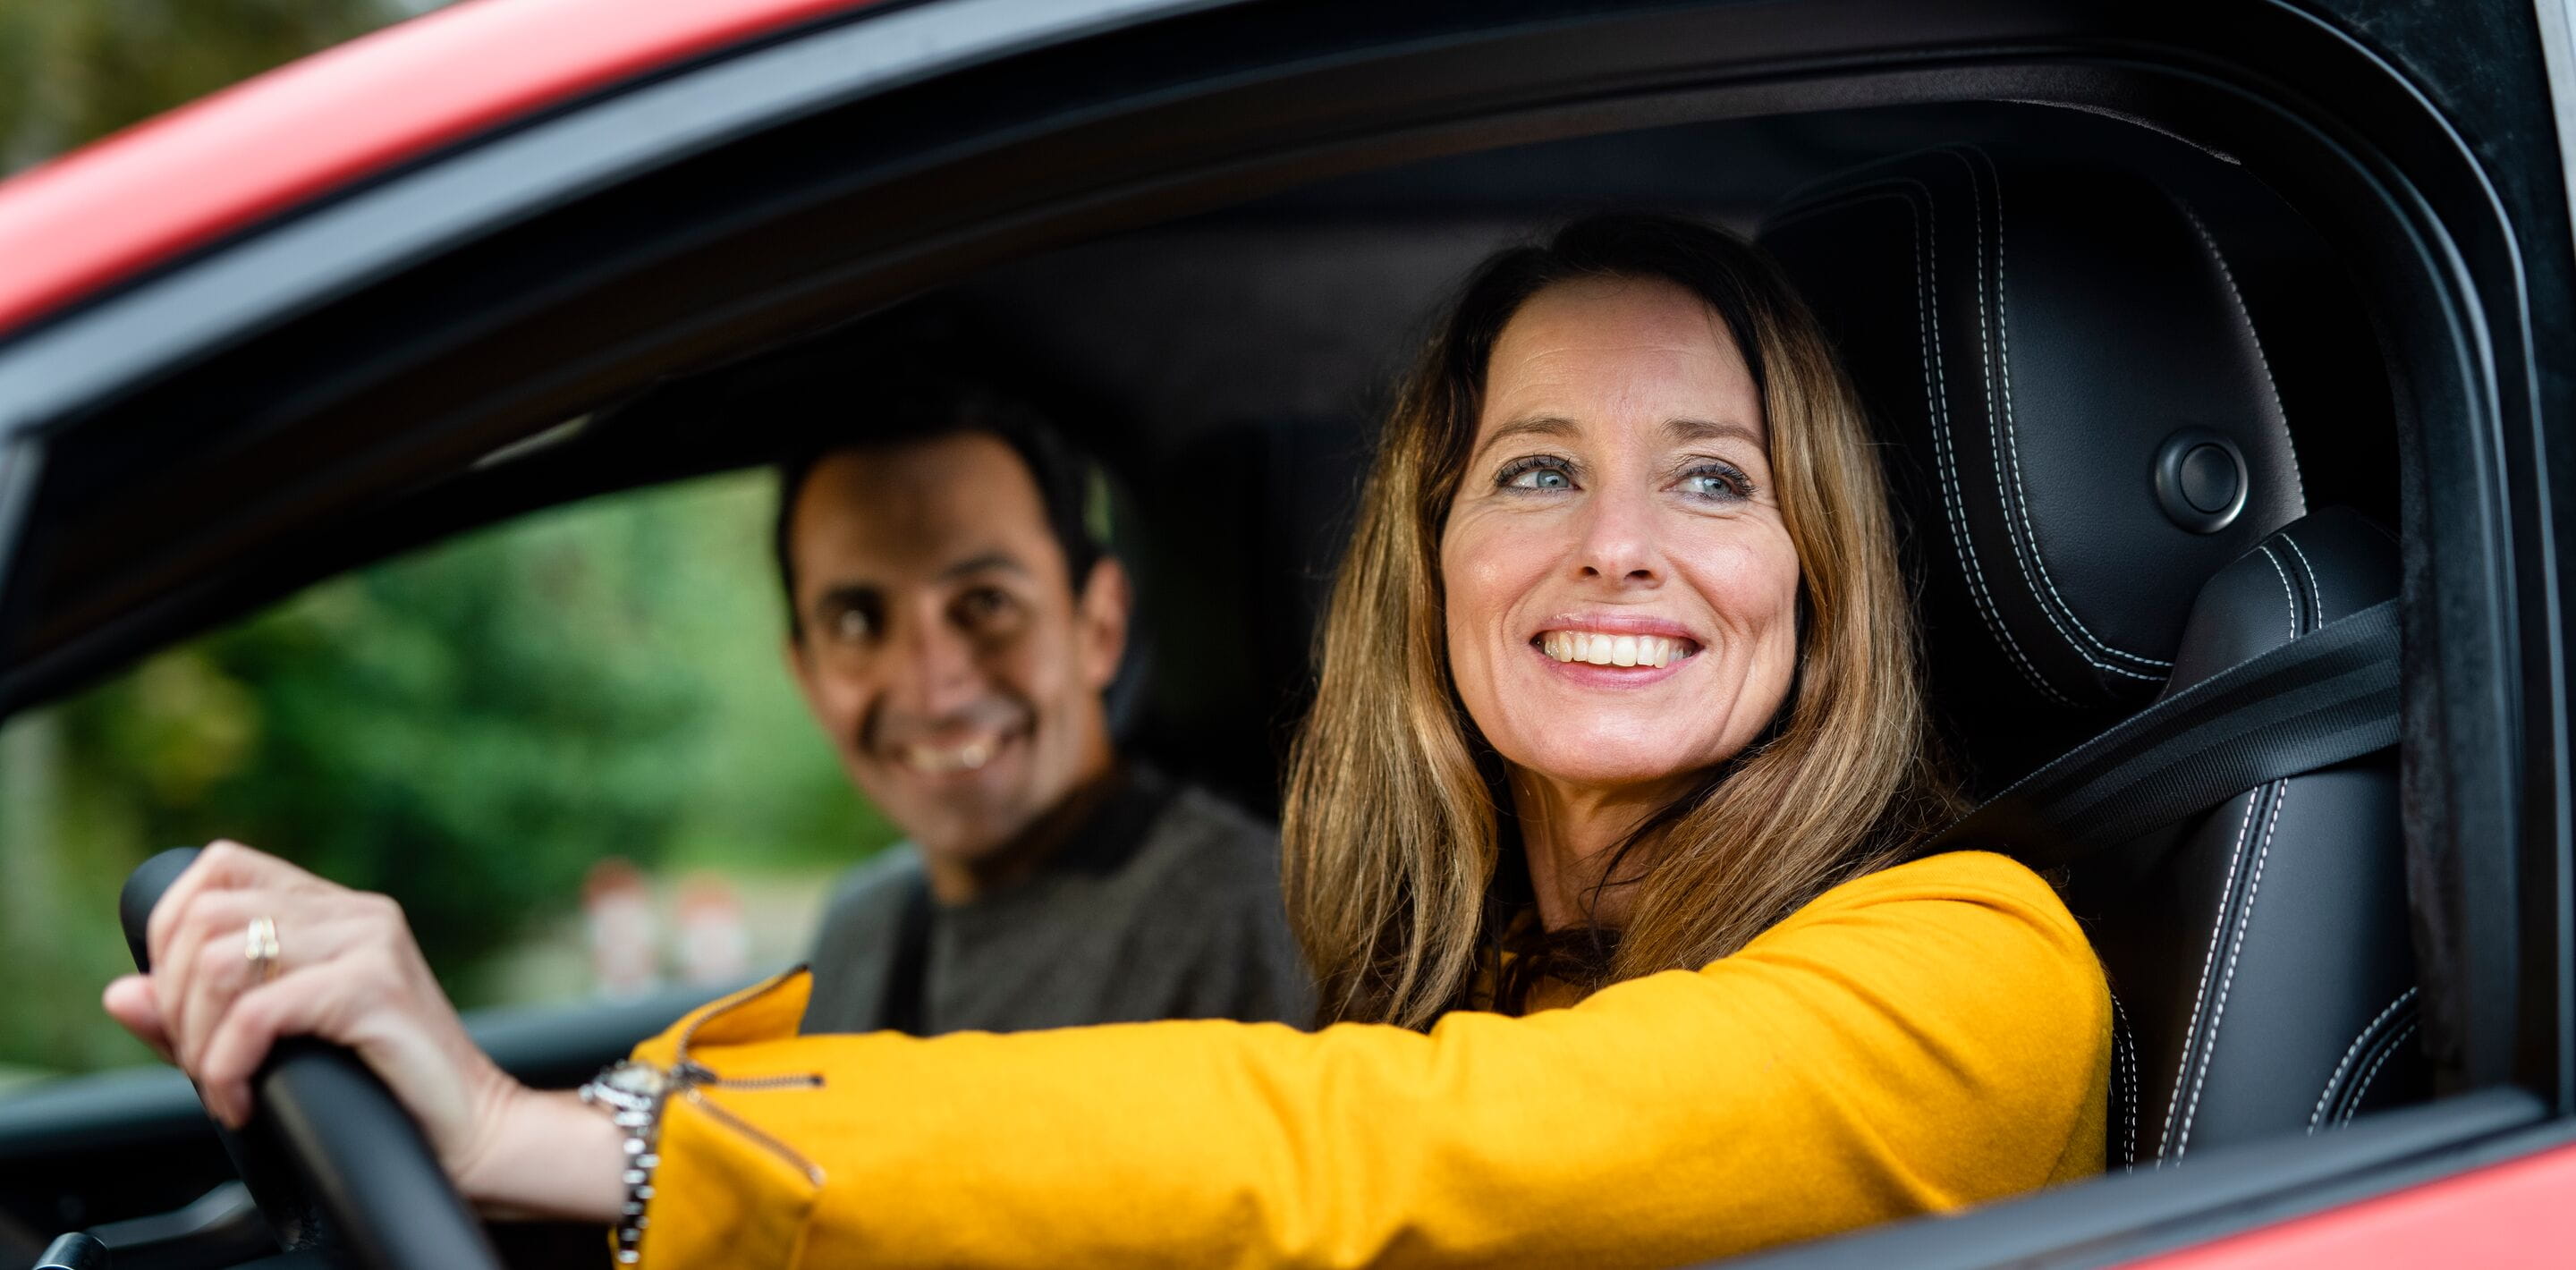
(954, 620)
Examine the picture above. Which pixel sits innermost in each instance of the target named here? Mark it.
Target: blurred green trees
(467, 729)
(75, 70)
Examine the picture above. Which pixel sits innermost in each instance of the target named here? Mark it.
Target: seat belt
(2324, 698)
(907, 989)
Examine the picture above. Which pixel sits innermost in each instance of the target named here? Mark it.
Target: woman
(1618, 714)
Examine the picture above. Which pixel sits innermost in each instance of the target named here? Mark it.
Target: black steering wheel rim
(335, 1163)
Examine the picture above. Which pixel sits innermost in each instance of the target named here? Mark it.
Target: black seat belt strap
(2321, 699)
(907, 987)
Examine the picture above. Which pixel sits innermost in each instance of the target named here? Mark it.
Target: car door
(206, 417)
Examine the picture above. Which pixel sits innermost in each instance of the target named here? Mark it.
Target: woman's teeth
(1613, 650)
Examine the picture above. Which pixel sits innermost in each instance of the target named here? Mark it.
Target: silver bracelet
(633, 1093)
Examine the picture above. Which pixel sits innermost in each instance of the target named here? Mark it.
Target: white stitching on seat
(2208, 967)
(2244, 922)
(2176, 1143)
(2010, 436)
(2287, 591)
(2316, 594)
(1994, 416)
(2127, 1063)
(1927, 225)
(2361, 1090)
(1927, 244)
(2317, 1118)
(2228, 276)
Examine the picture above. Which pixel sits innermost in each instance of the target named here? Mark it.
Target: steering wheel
(337, 1166)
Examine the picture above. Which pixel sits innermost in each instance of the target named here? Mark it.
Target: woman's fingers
(201, 962)
(318, 1001)
(223, 866)
(199, 933)
(129, 1001)
(211, 971)
(379, 1001)
(331, 963)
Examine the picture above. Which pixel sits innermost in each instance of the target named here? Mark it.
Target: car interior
(2139, 417)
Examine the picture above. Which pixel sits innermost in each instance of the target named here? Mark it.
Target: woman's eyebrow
(1533, 426)
(1685, 430)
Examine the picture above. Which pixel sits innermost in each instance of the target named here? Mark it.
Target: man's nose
(1620, 542)
(935, 670)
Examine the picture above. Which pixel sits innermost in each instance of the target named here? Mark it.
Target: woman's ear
(1101, 617)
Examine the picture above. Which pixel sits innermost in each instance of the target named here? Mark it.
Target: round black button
(2201, 480)
(2208, 478)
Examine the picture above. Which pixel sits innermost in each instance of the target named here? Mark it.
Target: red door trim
(2509, 1216)
(162, 187)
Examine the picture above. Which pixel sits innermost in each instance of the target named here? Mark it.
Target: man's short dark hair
(1071, 486)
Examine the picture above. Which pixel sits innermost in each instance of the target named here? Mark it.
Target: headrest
(2082, 426)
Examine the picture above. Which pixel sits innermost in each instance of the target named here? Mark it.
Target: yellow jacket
(1934, 1035)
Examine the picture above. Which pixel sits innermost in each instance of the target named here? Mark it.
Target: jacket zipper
(812, 1172)
(690, 1077)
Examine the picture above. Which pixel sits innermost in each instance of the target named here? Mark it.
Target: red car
(2190, 326)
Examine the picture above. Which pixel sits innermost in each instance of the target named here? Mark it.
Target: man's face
(944, 649)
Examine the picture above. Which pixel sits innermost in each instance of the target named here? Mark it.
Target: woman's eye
(1717, 482)
(851, 626)
(1535, 473)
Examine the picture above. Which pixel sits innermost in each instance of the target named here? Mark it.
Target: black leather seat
(2104, 504)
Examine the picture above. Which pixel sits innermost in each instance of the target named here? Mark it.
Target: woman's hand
(345, 970)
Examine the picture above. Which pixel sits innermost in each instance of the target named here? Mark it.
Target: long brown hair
(1396, 815)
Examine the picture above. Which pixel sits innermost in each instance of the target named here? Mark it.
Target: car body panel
(82, 228)
(83, 222)
(2520, 1213)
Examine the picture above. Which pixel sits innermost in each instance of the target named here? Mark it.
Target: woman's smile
(1613, 650)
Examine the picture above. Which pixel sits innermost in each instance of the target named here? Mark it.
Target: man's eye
(1535, 473)
(982, 605)
(852, 626)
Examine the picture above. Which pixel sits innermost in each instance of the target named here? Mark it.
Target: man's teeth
(942, 760)
(1612, 650)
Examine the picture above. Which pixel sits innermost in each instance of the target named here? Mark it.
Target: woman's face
(1622, 592)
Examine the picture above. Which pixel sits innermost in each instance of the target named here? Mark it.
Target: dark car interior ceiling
(1231, 365)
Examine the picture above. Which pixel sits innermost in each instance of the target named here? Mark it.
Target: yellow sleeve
(1931, 1036)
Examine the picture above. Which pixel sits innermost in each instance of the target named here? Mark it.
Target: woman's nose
(1619, 540)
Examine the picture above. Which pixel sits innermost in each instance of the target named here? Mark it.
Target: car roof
(89, 220)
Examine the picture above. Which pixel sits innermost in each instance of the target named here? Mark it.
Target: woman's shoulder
(1970, 877)
(1988, 908)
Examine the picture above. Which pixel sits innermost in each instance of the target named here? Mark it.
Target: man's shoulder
(876, 888)
(1200, 829)
(1217, 905)
(1195, 809)
(1212, 851)
(854, 944)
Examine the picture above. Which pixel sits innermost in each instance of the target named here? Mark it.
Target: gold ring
(259, 944)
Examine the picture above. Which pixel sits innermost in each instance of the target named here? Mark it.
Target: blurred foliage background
(468, 729)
